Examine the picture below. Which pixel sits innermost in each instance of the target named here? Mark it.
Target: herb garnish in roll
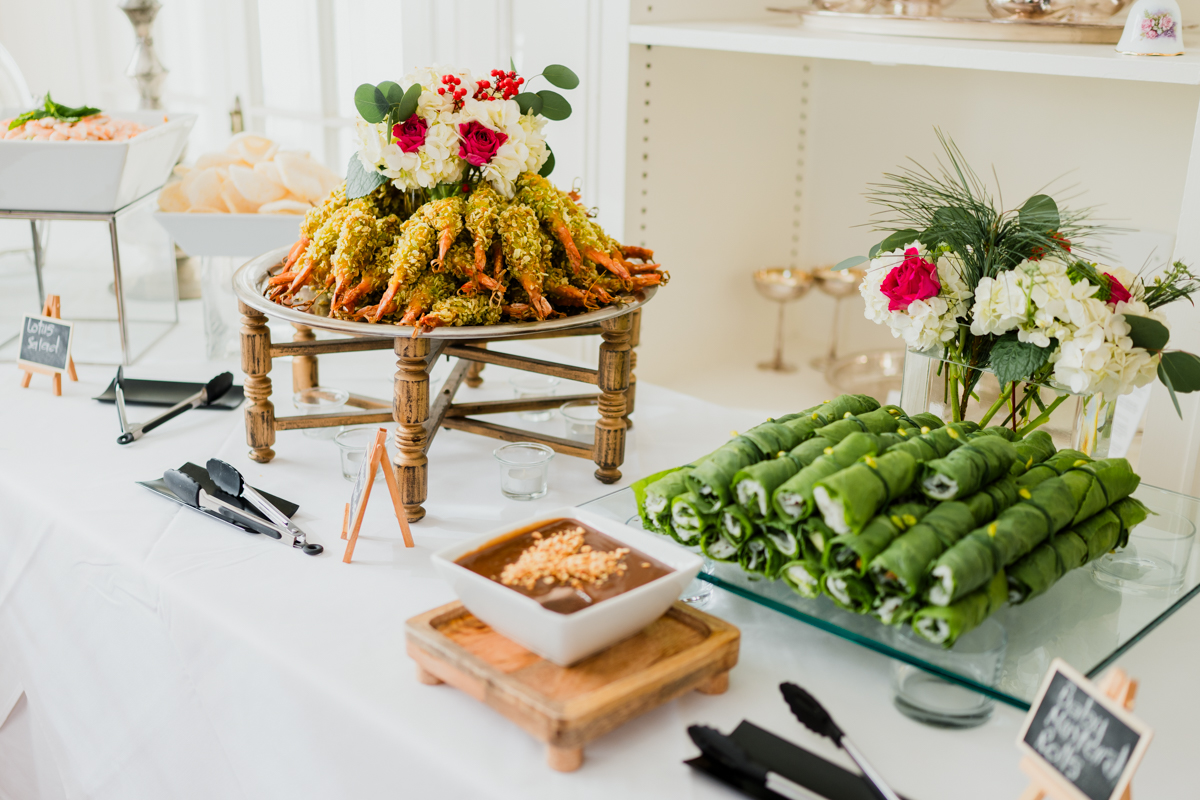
(687, 520)
(757, 555)
(754, 485)
(717, 545)
(1050, 507)
(855, 551)
(893, 610)
(1036, 572)
(803, 576)
(944, 625)
(736, 526)
(968, 469)
(783, 538)
(848, 590)
(793, 500)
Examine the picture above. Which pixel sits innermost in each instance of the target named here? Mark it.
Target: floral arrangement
(450, 128)
(1017, 292)
(1157, 26)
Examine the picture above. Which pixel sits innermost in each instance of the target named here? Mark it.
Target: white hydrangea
(1001, 304)
(926, 324)
(1096, 355)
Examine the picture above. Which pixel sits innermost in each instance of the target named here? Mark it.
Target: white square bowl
(240, 235)
(92, 176)
(567, 638)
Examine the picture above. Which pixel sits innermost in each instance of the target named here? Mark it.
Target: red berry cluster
(508, 85)
(1039, 252)
(452, 82)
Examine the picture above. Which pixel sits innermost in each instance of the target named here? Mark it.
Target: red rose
(915, 279)
(1116, 292)
(479, 143)
(410, 134)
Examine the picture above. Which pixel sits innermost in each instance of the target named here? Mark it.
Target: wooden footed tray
(566, 707)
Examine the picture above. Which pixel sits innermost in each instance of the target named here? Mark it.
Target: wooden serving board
(566, 707)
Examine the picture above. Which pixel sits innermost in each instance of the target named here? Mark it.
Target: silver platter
(250, 281)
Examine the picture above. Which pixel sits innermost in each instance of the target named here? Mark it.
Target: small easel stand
(357, 507)
(1118, 687)
(52, 308)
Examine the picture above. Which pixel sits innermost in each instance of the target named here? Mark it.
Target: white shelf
(788, 38)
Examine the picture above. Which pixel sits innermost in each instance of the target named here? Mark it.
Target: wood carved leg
(564, 759)
(613, 380)
(426, 677)
(474, 378)
(410, 408)
(256, 363)
(304, 368)
(717, 684)
(635, 338)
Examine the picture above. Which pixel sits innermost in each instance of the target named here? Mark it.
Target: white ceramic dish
(91, 176)
(244, 235)
(567, 638)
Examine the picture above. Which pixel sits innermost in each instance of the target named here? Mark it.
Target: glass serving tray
(1079, 620)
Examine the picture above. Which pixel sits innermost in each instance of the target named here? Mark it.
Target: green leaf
(408, 105)
(548, 167)
(1183, 370)
(554, 105)
(529, 102)
(894, 241)
(370, 103)
(360, 181)
(1014, 360)
(1166, 381)
(512, 65)
(1147, 333)
(560, 76)
(1039, 213)
(392, 92)
(852, 261)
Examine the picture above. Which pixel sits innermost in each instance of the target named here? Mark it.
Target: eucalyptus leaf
(360, 181)
(894, 242)
(1147, 333)
(852, 261)
(370, 103)
(408, 105)
(1183, 369)
(548, 167)
(1166, 381)
(560, 76)
(392, 92)
(554, 105)
(1040, 213)
(529, 103)
(1014, 360)
(512, 65)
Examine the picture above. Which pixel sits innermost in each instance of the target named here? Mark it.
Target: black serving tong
(211, 392)
(230, 481)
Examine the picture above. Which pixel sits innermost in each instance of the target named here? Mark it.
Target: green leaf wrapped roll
(849, 499)
(716, 544)
(687, 519)
(935, 443)
(944, 625)
(712, 475)
(849, 590)
(783, 538)
(1034, 573)
(804, 423)
(754, 485)
(882, 420)
(1052, 467)
(757, 555)
(855, 551)
(793, 499)
(816, 535)
(1050, 507)
(1034, 448)
(968, 469)
(893, 610)
(736, 526)
(654, 496)
(803, 576)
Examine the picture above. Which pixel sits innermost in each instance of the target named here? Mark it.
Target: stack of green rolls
(902, 517)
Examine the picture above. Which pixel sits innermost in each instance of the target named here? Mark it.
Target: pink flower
(1116, 292)
(914, 279)
(1147, 25)
(479, 143)
(410, 134)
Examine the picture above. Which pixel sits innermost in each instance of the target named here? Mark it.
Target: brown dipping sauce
(491, 559)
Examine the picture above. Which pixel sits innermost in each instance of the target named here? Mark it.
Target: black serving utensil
(814, 716)
(229, 480)
(730, 755)
(211, 392)
(193, 494)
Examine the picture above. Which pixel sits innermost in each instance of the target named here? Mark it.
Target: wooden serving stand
(418, 420)
(567, 707)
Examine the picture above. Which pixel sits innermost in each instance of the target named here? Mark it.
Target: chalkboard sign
(375, 458)
(1086, 744)
(45, 344)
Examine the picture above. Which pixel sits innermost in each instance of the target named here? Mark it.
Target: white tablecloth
(164, 655)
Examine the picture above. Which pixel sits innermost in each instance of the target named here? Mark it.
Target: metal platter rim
(249, 279)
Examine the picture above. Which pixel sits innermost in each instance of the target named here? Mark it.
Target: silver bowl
(782, 285)
(1030, 10)
(838, 283)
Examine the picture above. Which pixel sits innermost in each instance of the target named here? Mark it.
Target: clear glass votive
(523, 469)
(321, 400)
(1154, 562)
(530, 385)
(352, 446)
(922, 696)
(580, 417)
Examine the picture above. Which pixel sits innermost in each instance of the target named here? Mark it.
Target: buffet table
(163, 655)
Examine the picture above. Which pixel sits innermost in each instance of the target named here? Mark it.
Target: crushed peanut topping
(563, 558)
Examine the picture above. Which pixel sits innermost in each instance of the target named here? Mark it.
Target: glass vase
(1094, 425)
